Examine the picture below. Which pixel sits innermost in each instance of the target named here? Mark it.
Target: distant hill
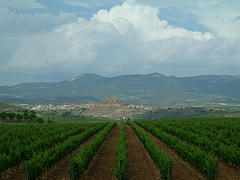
(149, 89)
(13, 114)
(5, 107)
(112, 108)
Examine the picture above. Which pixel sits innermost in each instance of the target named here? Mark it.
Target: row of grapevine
(17, 135)
(22, 142)
(81, 161)
(226, 131)
(44, 160)
(229, 153)
(206, 163)
(162, 160)
(121, 153)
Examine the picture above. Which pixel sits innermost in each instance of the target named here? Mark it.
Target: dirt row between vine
(59, 171)
(101, 167)
(140, 164)
(16, 172)
(182, 170)
(226, 172)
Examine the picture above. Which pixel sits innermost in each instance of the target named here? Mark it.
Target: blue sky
(42, 40)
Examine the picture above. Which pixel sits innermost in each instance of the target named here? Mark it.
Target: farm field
(151, 149)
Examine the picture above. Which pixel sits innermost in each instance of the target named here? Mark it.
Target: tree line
(24, 117)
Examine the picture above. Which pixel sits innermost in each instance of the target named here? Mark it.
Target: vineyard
(155, 149)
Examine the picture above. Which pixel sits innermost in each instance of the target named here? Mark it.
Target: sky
(42, 40)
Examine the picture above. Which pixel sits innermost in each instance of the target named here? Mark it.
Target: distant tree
(27, 117)
(39, 120)
(67, 113)
(11, 116)
(33, 112)
(49, 121)
(3, 115)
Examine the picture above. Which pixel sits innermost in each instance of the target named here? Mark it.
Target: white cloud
(70, 47)
(17, 28)
(126, 39)
(15, 24)
(221, 20)
(146, 21)
(22, 4)
(216, 15)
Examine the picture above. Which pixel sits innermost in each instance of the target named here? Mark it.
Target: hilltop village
(112, 108)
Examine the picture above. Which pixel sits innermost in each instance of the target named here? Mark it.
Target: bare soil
(101, 168)
(228, 173)
(60, 171)
(15, 173)
(140, 164)
(182, 170)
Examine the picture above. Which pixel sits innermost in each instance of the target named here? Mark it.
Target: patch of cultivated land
(60, 171)
(15, 173)
(227, 172)
(101, 168)
(140, 164)
(182, 170)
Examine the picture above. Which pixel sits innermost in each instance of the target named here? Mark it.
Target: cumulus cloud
(216, 15)
(220, 19)
(146, 21)
(17, 28)
(130, 38)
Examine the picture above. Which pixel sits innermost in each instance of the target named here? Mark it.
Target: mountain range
(146, 89)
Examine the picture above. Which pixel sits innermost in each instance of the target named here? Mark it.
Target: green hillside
(150, 89)
(5, 107)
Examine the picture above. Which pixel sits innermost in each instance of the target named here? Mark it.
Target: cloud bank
(129, 38)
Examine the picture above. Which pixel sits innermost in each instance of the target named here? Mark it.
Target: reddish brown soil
(15, 173)
(101, 166)
(60, 171)
(182, 170)
(140, 164)
(228, 173)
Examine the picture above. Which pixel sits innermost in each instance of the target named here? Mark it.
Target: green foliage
(49, 121)
(42, 161)
(204, 161)
(80, 162)
(26, 117)
(121, 153)
(19, 142)
(162, 160)
(218, 136)
(5, 107)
